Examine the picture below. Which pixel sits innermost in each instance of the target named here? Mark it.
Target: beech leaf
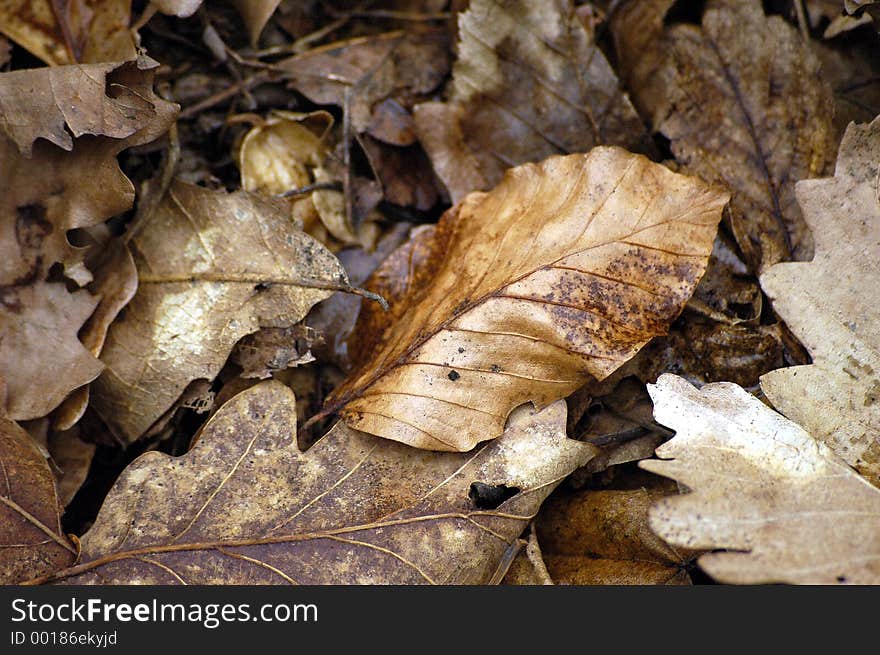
(562, 272)
(246, 506)
(529, 82)
(784, 504)
(742, 102)
(833, 308)
(31, 540)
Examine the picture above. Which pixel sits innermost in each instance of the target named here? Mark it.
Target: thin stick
(802, 19)
(317, 186)
(242, 86)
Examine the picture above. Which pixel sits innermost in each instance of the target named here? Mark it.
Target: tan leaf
(69, 456)
(562, 272)
(51, 191)
(529, 82)
(602, 537)
(89, 31)
(212, 268)
(742, 102)
(115, 283)
(179, 8)
(31, 540)
(41, 358)
(789, 508)
(831, 305)
(255, 14)
(246, 506)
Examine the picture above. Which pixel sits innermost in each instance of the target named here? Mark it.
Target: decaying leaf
(69, 456)
(70, 32)
(602, 537)
(246, 506)
(562, 272)
(831, 305)
(784, 504)
(31, 540)
(742, 101)
(41, 359)
(47, 193)
(212, 268)
(529, 82)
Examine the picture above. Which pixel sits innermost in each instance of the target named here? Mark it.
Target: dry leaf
(762, 486)
(831, 305)
(31, 540)
(179, 8)
(273, 349)
(255, 14)
(89, 31)
(246, 506)
(562, 272)
(529, 82)
(69, 456)
(742, 102)
(41, 358)
(212, 268)
(602, 537)
(51, 191)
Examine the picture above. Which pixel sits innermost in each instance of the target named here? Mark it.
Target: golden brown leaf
(245, 505)
(31, 540)
(212, 268)
(831, 305)
(89, 31)
(784, 505)
(742, 102)
(562, 272)
(602, 537)
(529, 82)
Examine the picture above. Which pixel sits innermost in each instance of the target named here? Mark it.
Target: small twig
(396, 15)
(802, 19)
(216, 98)
(317, 186)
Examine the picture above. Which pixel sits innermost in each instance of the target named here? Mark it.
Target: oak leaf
(785, 506)
(245, 505)
(562, 272)
(743, 104)
(529, 82)
(212, 268)
(830, 305)
(70, 32)
(31, 540)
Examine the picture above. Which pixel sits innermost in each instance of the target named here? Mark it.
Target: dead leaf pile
(413, 291)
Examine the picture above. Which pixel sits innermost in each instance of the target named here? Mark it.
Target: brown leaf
(41, 358)
(179, 8)
(602, 537)
(245, 505)
(31, 540)
(50, 193)
(562, 272)
(89, 31)
(69, 456)
(115, 283)
(742, 102)
(785, 506)
(212, 268)
(273, 349)
(831, 305)
(529, 82)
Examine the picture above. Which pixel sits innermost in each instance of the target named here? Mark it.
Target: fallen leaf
(562, 272)
(829, 304)
(89, 31)
(528, 568)
(50, 192)
(529, 82)
(201, 291)
(41, 358)
(273, 349)
(742, 101)
(602, 537)
(179, 8)
(854, 75)
(255, 14)
(115, 283)
(785, 506)
(69, 456)
(31, 540)
(245, 505)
